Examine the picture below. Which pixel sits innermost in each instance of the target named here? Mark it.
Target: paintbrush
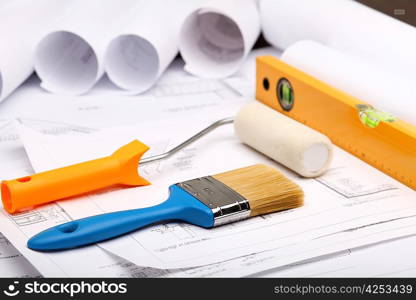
(208, 202)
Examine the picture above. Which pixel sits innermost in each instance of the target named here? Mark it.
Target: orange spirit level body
(386, 143)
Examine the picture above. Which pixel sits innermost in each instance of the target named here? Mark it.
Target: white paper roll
(70, 58)
(384, 90)
(344, 25)
(147, 45)
(215, 38)
(294, 145)
(22, 24)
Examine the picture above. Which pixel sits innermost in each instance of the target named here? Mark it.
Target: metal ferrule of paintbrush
(226, 204)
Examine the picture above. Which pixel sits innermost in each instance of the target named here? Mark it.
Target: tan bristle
(266, 189)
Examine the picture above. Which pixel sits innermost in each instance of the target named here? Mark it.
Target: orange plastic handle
(120, 168)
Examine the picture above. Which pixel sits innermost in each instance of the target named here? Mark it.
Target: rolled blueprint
(384, 90)
(70, 58)
(215, 38)
(22, 24)
(147, 45)
(343, 25)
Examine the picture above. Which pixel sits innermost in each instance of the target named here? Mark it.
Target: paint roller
(294, 145)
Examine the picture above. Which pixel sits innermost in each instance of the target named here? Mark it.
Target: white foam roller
(294, 145)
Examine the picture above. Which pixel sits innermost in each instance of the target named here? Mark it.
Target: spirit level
(377, 138)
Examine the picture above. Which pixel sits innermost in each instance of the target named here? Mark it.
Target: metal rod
(187, 142)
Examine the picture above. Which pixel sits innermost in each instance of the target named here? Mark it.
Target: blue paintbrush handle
(180, 206)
